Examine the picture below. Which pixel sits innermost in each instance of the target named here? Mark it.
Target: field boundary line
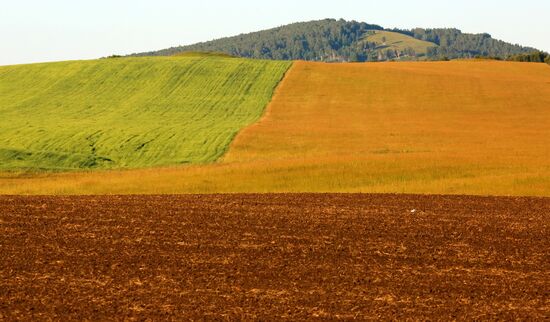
(265, 114)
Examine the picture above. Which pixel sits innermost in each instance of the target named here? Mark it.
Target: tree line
(533, 57)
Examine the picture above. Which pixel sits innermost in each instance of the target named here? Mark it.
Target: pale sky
(39, 31)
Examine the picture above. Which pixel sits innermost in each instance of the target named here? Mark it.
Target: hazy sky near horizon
(39, 31)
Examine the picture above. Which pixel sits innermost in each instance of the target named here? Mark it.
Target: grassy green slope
(202, 54)
(397, 41)
(129, 112)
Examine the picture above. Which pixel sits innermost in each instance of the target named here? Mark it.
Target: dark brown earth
(296, 256)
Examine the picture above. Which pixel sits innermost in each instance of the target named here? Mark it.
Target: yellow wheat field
(461, 127)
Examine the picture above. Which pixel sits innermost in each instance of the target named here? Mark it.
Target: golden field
(460, 127)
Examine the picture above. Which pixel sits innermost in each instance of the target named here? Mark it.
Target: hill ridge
(334, 40)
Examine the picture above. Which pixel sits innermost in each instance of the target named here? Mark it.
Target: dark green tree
(533, 57)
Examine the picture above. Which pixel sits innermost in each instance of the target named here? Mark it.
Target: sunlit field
(397, 41)
(461, 127)
(129, 113)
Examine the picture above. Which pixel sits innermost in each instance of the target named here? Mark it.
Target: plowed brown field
(290, 256)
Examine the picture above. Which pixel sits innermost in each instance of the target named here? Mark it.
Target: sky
(40, 31)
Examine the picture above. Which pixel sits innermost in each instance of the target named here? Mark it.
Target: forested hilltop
(340, 40)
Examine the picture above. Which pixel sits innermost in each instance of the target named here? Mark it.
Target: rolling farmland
(461, 127)
(321, 170)
(128, 113)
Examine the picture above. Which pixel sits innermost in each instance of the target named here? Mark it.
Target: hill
(129, 112)
(339, 40)
(460, 127)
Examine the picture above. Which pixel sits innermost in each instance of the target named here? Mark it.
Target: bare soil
(295, 256)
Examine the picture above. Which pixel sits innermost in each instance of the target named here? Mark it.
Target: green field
(129, 112)
(203, 54)
(396, 41)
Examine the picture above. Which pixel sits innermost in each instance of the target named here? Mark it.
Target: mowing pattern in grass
(130, 112)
